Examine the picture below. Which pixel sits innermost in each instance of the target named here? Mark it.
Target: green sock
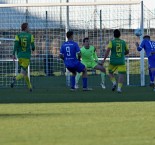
(113, 80)
(19, 76)
(103, 77)
(77, 78)
(120, 85)
(28, 82)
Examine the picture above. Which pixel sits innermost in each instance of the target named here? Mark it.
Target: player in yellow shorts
(24, 43)
(119, 49)
(90, 60)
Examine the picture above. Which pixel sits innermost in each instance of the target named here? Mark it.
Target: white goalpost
(49, 21)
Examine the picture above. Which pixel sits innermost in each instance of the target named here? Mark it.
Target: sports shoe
(13, 82)
(87, 89)
(72, 89)
(102, 85)
(76, 86)
(30, 89)
(119, 91)
(113, 87)
(151, 84)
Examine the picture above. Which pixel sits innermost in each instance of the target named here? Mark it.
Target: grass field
(57, 116)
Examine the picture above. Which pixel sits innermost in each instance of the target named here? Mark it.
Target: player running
(24, 43)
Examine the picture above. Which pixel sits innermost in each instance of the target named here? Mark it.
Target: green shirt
(23, 44)
(118, 48)
(88, 55)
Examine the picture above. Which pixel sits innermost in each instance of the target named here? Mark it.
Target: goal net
(49, 21)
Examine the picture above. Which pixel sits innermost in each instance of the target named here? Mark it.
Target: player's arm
(32, 43)
(126, 49)
(61, 55)
(141, 46)
(78, 52)
(95, 55)
(107, 51)
(16, 45)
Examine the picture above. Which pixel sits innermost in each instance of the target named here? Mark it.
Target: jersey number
(68, 51)
(118, 49)
(24, 43)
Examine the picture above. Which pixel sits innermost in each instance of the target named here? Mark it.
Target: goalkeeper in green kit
(90, 60)
(24, 43)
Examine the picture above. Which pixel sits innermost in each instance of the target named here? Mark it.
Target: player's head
(147, 37)
(117, 33)
(69, 34)
(86, 42)
(24, 27)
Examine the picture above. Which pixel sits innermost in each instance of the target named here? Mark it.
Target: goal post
(49, 22)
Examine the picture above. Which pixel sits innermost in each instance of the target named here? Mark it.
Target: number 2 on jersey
(118, 49)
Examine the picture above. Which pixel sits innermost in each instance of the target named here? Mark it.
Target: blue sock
(151, 75)
(84, 80)
(72, 78)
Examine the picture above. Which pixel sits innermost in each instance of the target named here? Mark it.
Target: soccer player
(119, 49)
(24, 43)
(68, 52)
(149, 47)
(90, 60)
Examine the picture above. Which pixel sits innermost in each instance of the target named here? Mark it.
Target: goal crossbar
(70, 4)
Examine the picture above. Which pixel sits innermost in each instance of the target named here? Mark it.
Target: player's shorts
(151, 61)
(78, 67)
(24, 63)
(120, 68)
(91, 64)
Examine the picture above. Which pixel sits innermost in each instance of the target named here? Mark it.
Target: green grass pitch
(56, 116)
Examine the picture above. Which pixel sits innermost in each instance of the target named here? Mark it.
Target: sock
(19, 76)
(77, 78)
(84, 80)
(28, 82)
(103, 77)
(113, 80)
(120, 85)
(151, 76)
(72, 82)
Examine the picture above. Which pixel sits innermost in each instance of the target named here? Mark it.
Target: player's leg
(25, 65)
(151, 77)
(20, 75)
(151, 61)
(82, 68)
(112, 69)
(77, 78)
(72, 77)
(103, 73)
(121, 71)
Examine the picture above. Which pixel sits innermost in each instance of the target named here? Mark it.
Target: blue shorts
(151, 61)
(78, 67)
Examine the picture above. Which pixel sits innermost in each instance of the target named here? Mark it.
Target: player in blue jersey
(68, 52)
(149, 47)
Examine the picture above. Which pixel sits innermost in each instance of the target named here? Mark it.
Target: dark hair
(146, 37)
(69, 34)
(24, 26)
(117, 33)
(86, 38)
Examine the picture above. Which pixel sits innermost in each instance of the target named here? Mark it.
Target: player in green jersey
(118, 49)
(24, 43)
(90, 60)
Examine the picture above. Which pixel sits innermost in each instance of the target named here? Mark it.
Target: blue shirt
(149, 47)
(69, 50)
